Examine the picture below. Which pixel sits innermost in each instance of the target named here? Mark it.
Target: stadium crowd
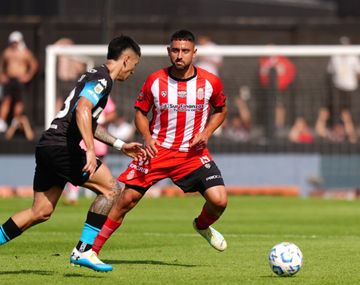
(260, 113)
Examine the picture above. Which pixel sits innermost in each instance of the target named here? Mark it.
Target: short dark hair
(184, 35)
(119, 44)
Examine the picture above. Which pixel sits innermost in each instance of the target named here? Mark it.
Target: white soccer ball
(285, 259)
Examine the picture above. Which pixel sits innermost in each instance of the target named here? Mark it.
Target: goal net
(241, 76)
(308, 94)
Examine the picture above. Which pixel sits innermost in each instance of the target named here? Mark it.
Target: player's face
(181, 53)
(129, 62)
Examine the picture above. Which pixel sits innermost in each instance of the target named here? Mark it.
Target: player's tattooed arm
(103, 135)
(102, 205)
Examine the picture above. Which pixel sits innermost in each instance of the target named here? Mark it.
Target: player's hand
(200, 141)
(90, 166)
(150, 147)
(134, 150)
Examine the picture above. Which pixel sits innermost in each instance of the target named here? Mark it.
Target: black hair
(119, 44)
(184, 35)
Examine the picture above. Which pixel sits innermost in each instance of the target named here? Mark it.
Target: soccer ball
(285, 259)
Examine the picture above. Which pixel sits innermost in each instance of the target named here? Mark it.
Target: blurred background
(289, 130)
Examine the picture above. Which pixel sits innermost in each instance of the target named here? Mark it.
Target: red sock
(107, 230)
(204, 220)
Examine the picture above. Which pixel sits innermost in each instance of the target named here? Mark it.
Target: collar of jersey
(185, 79)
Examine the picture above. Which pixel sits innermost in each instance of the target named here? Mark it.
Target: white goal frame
(52, 51)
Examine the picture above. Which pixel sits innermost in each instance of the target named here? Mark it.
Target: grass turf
(157, 245)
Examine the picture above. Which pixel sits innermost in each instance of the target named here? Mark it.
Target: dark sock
(9, 230)
(204, 220)
(92, 227)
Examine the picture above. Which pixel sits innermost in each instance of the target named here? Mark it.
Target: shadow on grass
(79, 275)
(278, 277)
(35, 272)
(148, 262)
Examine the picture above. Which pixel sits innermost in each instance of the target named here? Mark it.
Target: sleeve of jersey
(93, 91)
(145, 99)
(218, 97)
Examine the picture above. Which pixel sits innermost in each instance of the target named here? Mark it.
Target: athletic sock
(204, 220)
(8, 231)
(92, 227)
(107, 230)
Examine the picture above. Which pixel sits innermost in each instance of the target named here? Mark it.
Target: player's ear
(195, 53)
(126, 60)
(168, 50)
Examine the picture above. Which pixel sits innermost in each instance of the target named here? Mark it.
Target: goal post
(234, 51)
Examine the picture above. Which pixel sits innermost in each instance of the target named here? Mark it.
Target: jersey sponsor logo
(92, 94)
(182, 107)
(182, 94)
(139, 168)
(98, 88)
(212, 177)
(200, 94)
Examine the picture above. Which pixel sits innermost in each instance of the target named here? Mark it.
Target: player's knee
(42, 215)
(220, 204)
(217, 197)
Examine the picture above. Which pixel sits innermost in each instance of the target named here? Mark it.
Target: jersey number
(62, 113)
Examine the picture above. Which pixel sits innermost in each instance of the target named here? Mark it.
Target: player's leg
(208, 181)
(108, 189)
(88, 258)
(215, 205)
(44, 204)
(126, 201)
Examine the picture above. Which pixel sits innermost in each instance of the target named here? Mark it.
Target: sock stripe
(92, 227)
(4, 234)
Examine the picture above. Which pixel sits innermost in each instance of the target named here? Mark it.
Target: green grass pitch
(157, 245)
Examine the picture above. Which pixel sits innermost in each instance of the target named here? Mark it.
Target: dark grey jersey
(95, 85)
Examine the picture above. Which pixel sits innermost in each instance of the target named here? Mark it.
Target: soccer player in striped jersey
(180, 97)
(60, 159)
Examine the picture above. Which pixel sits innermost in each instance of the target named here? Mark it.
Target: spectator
(210, 63)
(239, 127)
(122, 129)
(69, 68)
(276, 74)
(334, 133)
(300, 132)
(22, 124)
(17, 68)
(344, 70)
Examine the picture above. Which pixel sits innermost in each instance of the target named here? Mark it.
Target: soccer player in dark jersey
(181, 98)
(60, 159)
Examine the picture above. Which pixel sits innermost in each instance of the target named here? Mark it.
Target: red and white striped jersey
(180, 107)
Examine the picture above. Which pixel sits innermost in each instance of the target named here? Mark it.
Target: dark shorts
(199, 180)
(342, 101)
(57, 165)
(15, 89)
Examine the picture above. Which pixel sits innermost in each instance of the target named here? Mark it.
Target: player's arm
(132, 149)
(216, 119)
(84, 123)
(142, 125)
